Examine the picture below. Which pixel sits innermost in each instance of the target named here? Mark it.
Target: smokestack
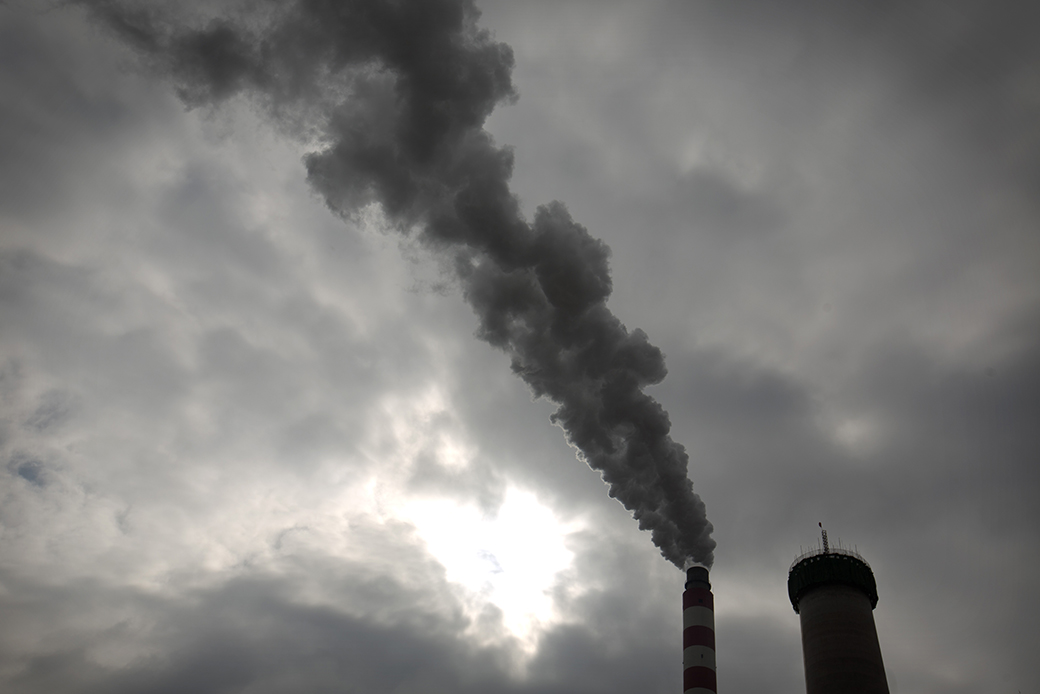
(698, 633)
(833, 591)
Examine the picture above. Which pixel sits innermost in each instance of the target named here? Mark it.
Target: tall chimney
(833, 591)
(698, 633)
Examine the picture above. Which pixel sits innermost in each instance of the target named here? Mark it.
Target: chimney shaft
(834, 593)
(698, 633)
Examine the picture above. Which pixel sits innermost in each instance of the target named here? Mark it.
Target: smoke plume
(396, 92)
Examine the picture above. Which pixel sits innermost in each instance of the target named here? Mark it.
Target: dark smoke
(397, 92)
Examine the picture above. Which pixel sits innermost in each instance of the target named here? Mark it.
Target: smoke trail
(398, 91)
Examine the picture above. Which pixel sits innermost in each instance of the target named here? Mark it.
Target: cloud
(216, 398)
(709, 199)
(324, 624)
(421, 81)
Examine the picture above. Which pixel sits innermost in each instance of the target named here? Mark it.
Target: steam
(397, 92)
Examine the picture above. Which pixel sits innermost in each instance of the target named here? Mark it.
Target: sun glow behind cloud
(509, 559)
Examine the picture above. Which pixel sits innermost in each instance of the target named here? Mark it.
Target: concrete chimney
(833, 591)
(698, 633)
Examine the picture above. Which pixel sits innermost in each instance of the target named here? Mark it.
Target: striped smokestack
(698, 633)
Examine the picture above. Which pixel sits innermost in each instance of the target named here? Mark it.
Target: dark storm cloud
(255, 633)
(947, 438)
(941, 496)
(759, 432)
(969, 68)
(956, 482)
(248, 633)
(962, 427)
(420, 79)
(912, 169)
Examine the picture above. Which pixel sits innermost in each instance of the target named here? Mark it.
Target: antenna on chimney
(826, 547)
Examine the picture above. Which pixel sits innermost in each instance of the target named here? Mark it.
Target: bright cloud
(509, 559)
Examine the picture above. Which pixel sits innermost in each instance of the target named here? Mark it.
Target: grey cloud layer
(421, 79)
(253, 633)
(846, 319)
(850, 331)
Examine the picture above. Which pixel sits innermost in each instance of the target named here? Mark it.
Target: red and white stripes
(698, 633)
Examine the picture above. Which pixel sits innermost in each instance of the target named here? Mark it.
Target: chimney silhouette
(834, 593)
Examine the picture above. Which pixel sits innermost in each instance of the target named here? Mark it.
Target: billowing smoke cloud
(396, 92)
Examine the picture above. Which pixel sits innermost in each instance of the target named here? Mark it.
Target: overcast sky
(249, 443)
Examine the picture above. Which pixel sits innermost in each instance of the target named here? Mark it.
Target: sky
(298, 351)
